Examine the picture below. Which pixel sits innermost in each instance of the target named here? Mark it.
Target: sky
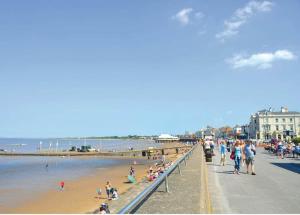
(100, 68)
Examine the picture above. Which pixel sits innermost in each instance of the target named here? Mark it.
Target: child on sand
(99, 192)
(62, 184)
(115, 195)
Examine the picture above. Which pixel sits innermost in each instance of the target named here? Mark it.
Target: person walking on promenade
(228, 145)
(237, 157)
(280, 149)
(250, 152)
(223, 152)
(243, 153)
(108, 188)
(212, 147)
(206, 147)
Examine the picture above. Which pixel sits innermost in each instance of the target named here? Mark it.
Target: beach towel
(131, 179)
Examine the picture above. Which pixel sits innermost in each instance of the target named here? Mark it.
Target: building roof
(280, 113)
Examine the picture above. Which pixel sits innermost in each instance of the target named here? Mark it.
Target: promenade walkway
(275, 188)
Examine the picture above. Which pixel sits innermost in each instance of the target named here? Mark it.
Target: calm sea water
(24, 177)
(34, 145)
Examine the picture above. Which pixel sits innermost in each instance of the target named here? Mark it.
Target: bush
(296, 140)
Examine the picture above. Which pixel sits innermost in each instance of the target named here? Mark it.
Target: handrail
(132, 206)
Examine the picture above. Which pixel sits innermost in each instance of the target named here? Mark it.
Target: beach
(82, 177)
(79, 194)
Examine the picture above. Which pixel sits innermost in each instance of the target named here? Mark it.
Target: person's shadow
(99, 197)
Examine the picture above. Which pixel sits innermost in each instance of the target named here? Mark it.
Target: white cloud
(241, 16)
(199, 15)
(262, 60)
(185, 15)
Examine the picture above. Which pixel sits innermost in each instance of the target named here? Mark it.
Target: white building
(166, 138)
(267, 124)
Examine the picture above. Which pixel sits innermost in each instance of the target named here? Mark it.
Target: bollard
(166, 184)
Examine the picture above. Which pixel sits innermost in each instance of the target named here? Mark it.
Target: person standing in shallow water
(237, 157)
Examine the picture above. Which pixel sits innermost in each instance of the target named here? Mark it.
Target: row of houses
(264, 125)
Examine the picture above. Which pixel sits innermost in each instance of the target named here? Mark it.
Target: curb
(205, 201)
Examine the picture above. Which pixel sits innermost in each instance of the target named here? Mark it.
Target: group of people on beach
(112, 193)
(242, 152)
(158, 169)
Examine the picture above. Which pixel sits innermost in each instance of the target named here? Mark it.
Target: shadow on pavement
(289, 166)
(226, 172)
(230, 172)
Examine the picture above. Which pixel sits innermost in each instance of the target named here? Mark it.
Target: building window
(276, 120)
(283, 120)
(291, 127)
(283, 127)
(277, 128)
(291, 119)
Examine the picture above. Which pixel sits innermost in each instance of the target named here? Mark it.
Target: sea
(23, 176)
(59, 144)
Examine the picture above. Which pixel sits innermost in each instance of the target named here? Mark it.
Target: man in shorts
(250, 152)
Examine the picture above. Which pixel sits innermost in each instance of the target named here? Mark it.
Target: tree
(296, 140)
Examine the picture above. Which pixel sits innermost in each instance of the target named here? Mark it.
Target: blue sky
(81, 68)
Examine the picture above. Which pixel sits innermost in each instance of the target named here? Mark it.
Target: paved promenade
(185, 190)
(275, 188)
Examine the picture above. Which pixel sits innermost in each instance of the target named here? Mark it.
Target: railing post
(185, 161)
(166, 184)
(179, 169)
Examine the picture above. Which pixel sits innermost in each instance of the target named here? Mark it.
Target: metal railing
(142, 197)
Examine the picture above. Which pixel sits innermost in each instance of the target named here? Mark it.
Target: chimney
(284, 109)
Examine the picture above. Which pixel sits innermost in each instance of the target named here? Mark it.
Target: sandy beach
(79, 195)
